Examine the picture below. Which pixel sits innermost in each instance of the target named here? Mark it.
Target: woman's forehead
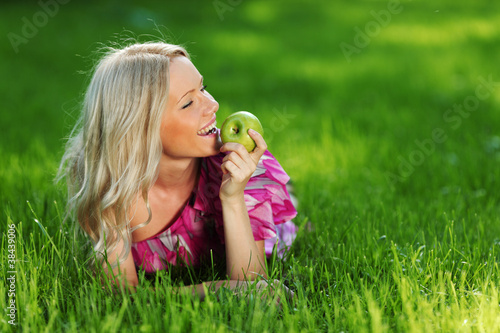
(183, 76)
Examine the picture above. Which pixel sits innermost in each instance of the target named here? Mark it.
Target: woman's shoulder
(137, 214)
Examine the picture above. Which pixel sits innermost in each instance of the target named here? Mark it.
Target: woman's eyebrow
(190, 91)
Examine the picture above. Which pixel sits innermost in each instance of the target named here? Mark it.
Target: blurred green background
(385, 114)
(344, 127)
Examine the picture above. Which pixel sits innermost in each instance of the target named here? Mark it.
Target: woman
(152, 184)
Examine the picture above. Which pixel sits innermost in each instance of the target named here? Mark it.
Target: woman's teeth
(209, 129)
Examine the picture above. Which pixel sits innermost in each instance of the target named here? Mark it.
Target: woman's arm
(124, 277)
(267, 289)
(245, 257)
(124, 274)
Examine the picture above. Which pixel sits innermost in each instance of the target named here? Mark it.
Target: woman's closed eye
(203, 89)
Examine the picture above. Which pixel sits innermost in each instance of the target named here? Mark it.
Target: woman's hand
(268, 291)
(239, 165)
(274, 291)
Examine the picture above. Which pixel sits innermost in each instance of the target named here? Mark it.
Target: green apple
(235, 129)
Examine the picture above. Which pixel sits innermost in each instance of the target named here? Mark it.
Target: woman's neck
(177, 174)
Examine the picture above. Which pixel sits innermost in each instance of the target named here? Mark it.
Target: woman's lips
(211, 128)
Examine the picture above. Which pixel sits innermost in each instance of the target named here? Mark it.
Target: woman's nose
(212, 104)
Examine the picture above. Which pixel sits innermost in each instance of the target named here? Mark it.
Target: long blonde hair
(113, 152)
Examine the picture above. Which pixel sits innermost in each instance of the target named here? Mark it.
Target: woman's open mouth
(208, 130)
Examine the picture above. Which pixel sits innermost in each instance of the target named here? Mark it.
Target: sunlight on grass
(36, 161)
(442, 34)
(260, 12)
(330, 157)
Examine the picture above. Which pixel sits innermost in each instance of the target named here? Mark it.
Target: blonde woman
(151, 183)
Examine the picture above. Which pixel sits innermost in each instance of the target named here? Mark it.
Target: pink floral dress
(199, 230)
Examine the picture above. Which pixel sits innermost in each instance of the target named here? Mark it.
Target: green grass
(418, 254)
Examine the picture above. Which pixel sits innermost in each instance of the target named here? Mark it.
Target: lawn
(385, 114)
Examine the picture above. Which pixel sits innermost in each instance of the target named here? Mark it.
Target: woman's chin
(214, 142)
(218, 143)
(215, 146)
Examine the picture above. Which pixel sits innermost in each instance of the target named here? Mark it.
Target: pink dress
(199, 230)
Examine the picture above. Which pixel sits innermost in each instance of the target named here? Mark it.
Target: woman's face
(188, 122)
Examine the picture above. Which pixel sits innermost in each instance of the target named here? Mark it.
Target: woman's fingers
(234, 146)
(239, 155)
(238, 165)
(229, 167)
(255, 155)
(236, 156)
(261, 145)
(259, 140)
